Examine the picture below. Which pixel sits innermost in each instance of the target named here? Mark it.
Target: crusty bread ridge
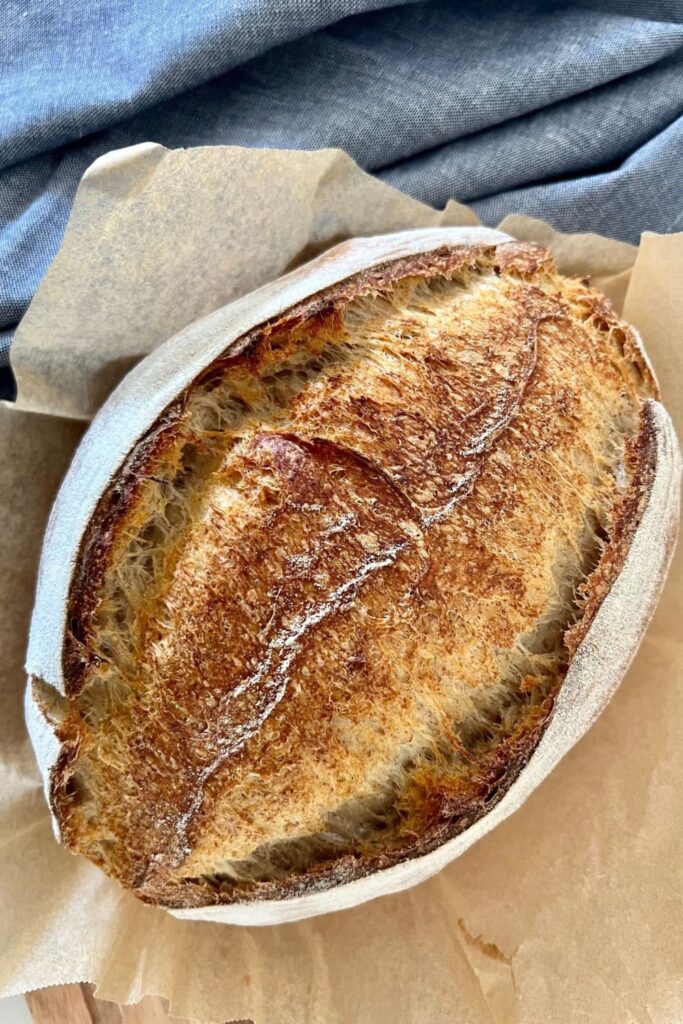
(319, 618)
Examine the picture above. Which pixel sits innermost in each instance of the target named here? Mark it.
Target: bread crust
(319, 888)
(600, 659)
(501, 770)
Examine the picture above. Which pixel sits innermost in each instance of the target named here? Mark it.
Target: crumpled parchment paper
(569, 911)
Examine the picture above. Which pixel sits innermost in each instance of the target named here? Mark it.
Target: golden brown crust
(391, 492)
(483, 791)
(249, 351)
(497, 772)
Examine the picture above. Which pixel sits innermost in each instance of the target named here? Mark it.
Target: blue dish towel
(571, 111)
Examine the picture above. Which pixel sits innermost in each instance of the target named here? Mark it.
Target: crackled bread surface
(319, 618)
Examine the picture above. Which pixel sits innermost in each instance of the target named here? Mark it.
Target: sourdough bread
(338, 574)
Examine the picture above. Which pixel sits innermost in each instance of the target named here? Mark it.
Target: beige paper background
(569, 911)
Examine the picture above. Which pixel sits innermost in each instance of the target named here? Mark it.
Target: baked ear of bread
(338, 575)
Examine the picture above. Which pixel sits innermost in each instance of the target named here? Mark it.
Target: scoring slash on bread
(339, 573)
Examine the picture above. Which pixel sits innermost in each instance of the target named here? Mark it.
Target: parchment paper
(571, 910)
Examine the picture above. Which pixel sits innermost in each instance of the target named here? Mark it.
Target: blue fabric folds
(571, 111)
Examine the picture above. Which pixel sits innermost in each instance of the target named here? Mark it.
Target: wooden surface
(76, 1004)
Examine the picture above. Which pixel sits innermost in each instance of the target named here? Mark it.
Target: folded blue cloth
(568, 111)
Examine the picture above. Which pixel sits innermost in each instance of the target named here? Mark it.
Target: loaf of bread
(340, 572)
